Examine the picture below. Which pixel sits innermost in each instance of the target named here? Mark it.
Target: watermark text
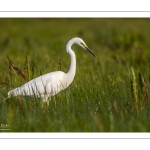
(4, 126)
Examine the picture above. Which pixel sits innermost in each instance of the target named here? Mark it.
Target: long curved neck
(72, 70)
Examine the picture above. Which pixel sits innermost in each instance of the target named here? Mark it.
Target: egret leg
(45, 101)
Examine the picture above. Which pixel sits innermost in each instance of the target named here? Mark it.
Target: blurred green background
(106, 94)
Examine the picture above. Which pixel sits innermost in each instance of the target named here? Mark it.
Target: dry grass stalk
(11, 67)
(143, 87)
(98, 122)
(4, 83)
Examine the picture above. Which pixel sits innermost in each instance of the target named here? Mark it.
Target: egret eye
(82, 44)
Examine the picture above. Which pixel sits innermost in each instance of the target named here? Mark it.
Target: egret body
(50, 84)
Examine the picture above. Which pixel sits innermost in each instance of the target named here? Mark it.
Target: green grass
(110, 93)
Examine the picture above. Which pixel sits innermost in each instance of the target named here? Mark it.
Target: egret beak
(90, 51)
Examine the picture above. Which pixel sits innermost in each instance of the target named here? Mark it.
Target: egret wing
(47, 84)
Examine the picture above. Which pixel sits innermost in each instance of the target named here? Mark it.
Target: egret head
(81, 43)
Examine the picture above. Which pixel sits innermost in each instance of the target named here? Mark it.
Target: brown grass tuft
(11, 67)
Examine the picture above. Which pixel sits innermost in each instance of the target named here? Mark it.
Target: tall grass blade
(10, 69)
(27, 69)
(134, 86)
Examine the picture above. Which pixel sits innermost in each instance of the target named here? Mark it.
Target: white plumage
(52, 83)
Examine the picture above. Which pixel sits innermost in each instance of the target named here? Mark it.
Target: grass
(110, 93)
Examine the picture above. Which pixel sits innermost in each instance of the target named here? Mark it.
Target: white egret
(51, 83)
